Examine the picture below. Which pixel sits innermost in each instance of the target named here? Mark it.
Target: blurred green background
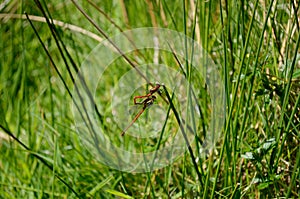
(256, 43)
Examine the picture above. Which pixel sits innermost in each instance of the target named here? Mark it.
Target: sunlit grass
(256, 47)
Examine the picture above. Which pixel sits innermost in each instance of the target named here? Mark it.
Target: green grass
(256, 47)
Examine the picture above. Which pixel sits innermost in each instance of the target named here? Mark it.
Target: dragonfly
(148, 101)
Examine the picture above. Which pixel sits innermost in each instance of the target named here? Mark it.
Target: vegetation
(47, 153)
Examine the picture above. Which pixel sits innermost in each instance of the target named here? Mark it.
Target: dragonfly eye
(155, 89)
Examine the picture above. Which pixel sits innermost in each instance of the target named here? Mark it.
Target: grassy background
(255, 42)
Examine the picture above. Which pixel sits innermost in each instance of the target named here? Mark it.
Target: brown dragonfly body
(150, 98)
